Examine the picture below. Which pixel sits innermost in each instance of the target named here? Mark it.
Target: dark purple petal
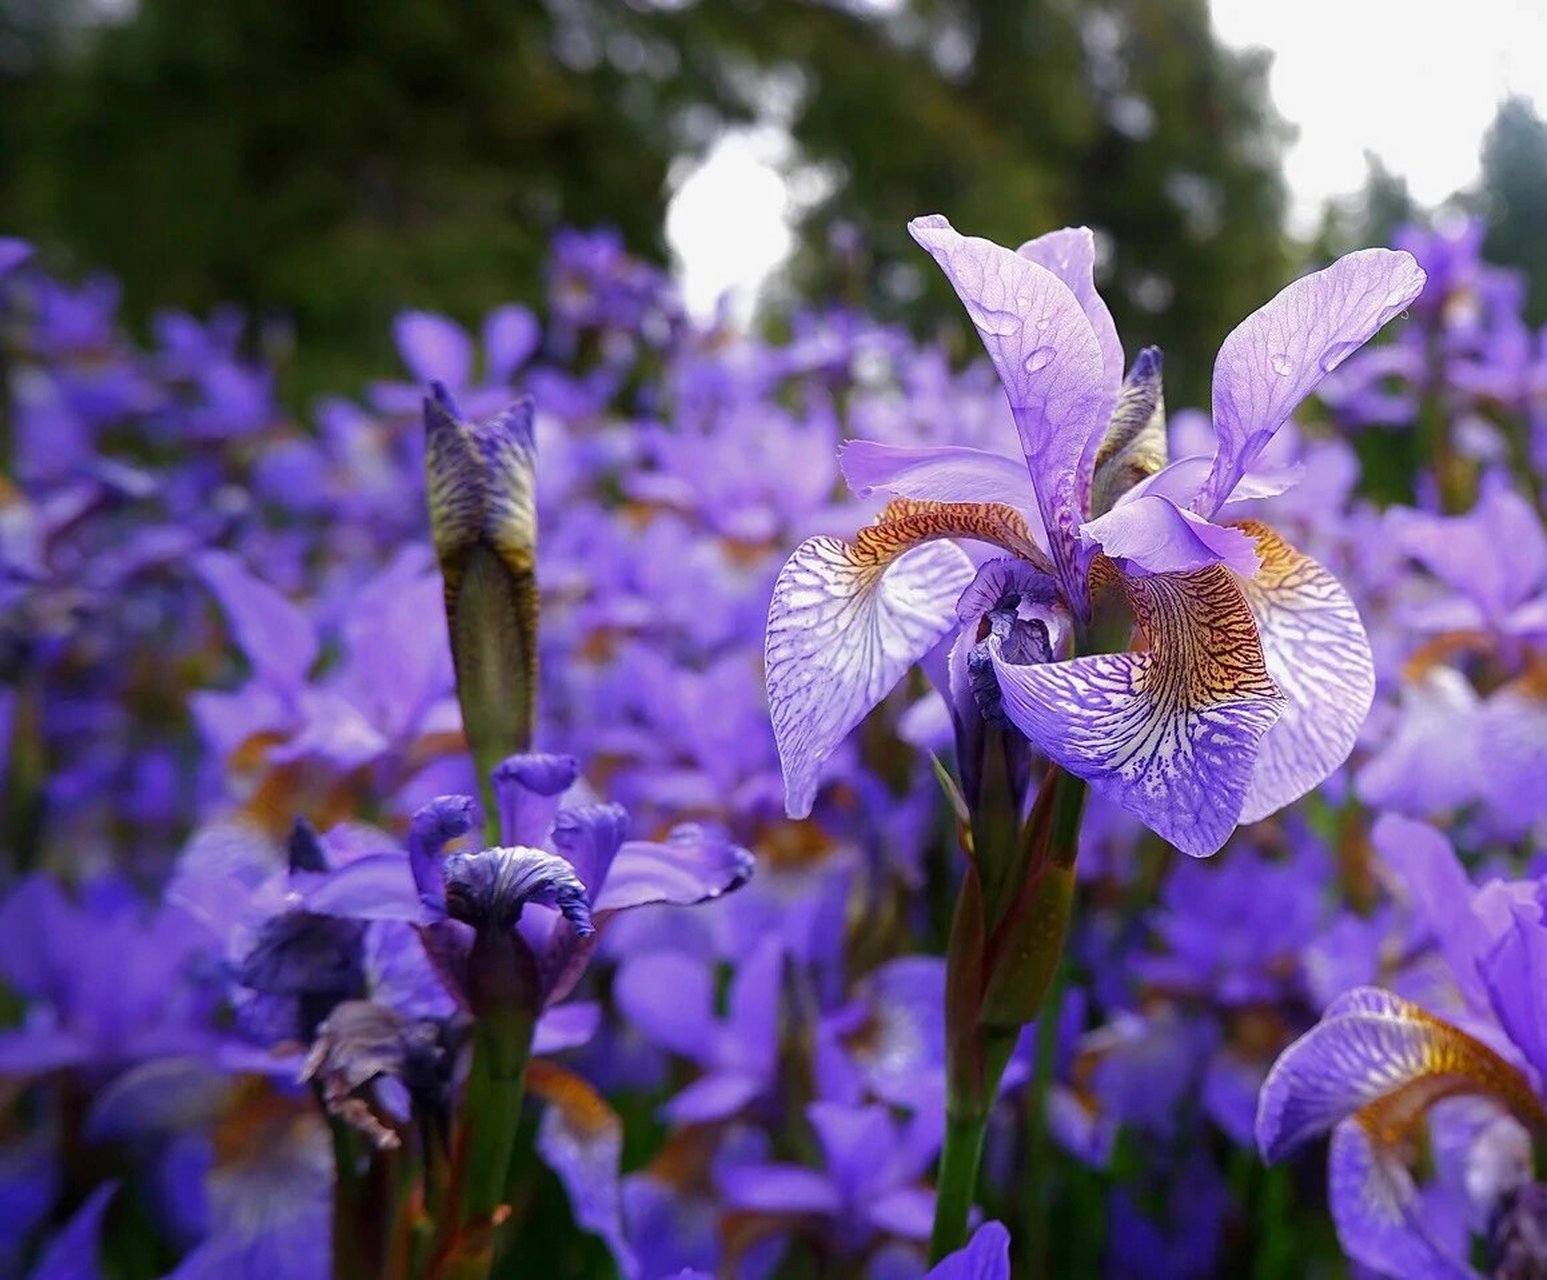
(589, 837)
(489, 888)
(528, 789)
(1515, 974)
(432, 828)
(73, 1253)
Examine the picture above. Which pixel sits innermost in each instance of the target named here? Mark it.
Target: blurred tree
(1514, 197)
(334, 161)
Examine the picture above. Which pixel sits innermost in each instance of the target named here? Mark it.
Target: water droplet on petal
(1336, 354)
(1282, 365)
(999, 324)
(1039, 359)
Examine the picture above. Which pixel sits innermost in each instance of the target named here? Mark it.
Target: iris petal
(1169, 733)
(1319, 656)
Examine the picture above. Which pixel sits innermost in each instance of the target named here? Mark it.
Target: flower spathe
(1253, 673)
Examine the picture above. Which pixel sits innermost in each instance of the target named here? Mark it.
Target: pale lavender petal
(568, 1026)
(1370, 1047)
(1154, 535)
(1170, 733)
(985, 1257)
(510, 336)
(907, 1212)
(1181, 480)
(693, 864)
(1070, 254)
(842, 631)
(1382, 1220)
(1051, 365)
(276, 636)
(1279, 354)
(435, 348)
(1440, 893)
(1319, 656)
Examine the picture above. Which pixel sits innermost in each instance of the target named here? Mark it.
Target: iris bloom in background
(1255, 673)
(1398, 1085)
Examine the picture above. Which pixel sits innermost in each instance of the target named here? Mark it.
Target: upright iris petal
(1052, 368)
(1280, 353)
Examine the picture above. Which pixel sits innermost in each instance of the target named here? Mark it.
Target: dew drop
(1336, 354)
(1039, 359)
(999, 324)
(1282, 365)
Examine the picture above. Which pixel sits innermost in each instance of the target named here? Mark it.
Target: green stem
(1038, 1198)
(956, 1186)
(486, 1135)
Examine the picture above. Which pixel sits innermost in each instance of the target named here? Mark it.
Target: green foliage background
(329, 162)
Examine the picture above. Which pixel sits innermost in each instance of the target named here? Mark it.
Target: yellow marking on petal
(584, 1110)
(1453, 1063)
(907, 522)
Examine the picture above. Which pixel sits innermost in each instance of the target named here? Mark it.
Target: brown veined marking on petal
(686, 1159)
(584, 1110)
(906, 522)
(1455, 1064)
(1204, 647)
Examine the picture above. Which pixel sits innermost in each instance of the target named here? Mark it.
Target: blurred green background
(329, 162)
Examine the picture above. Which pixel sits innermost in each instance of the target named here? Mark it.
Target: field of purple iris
(623, 796)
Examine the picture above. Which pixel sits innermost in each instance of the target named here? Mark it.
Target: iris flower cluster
(400, 876)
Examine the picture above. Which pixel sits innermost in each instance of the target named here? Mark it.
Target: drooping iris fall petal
(1319, 656)
(1171, 732)
(848, 619)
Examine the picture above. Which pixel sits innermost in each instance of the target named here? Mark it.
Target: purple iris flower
(1256, 673)
(1385, 1075)
(872, 1183)
(564, 870)
(106, 981)
(436, 348)
(669, 998)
